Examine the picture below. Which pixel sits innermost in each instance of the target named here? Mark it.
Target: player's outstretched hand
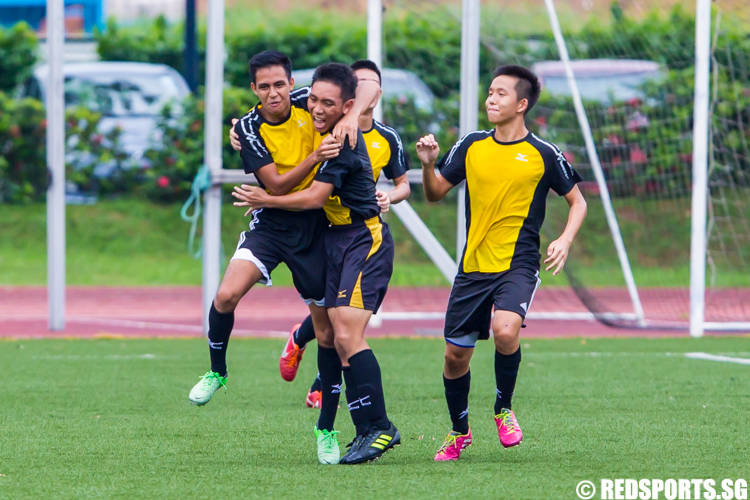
(328, 149)
(557, 255)
(250, 196)
(428, 149)
(384, 201)
(234, 139)
(348, 126)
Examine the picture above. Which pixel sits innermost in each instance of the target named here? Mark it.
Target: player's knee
(456, 360)
(342, 340)
(325, 337)
(226, 300)
(505, 337)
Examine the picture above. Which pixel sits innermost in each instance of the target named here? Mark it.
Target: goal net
(634, 63)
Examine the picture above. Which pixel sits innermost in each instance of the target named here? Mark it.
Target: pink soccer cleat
(454, 444)
(314, 399)
(508, 429)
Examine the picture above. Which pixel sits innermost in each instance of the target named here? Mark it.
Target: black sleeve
(398, 164)
(299, 97)
(453, 165)
(335, 170)
(254, 152)
(561, 174)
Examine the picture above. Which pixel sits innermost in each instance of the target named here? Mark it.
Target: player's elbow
(277, 189)
(582, 206)
(317, 204)
(433, 195)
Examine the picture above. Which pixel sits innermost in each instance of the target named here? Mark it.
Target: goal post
(698, 242)
(212, 154)
(55, 109)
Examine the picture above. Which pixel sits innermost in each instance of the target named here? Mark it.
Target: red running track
(270, 312)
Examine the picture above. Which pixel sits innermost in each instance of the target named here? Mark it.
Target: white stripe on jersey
(561, 160)
(458, 144)
(250, 136)
(401, 154)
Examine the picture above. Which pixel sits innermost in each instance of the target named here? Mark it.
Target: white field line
(169, 326)
(713, 357)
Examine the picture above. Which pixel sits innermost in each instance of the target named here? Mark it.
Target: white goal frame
(468, 122)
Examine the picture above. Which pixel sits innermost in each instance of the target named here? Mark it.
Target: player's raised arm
(367, 94)
(557, 252)
(435, 186)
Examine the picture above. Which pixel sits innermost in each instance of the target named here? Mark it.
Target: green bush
(23, 162)
(179, 156)
(18, 46)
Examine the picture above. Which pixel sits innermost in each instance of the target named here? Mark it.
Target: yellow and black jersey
(386, 151)
(506, 191)
(353, 198)
(286, 143)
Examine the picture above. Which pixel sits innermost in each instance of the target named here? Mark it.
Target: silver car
(397, 84)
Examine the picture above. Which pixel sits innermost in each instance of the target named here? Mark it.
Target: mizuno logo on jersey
(375, 145)
(342, 294)
(300, 123)
(521, 157)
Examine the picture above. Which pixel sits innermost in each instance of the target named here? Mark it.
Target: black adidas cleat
(372, 446)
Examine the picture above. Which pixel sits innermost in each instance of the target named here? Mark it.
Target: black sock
(457, 396)
(329, 366)
(506, 373)
(359, 416)
(219, 329)
(305, 333)
(316, 386)
(366, 373)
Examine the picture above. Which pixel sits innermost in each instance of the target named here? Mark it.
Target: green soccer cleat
(328, 446)
(209, 384)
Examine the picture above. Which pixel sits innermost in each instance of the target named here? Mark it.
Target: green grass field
(110, 419)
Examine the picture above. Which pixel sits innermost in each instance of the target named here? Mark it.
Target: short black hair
(269, 58)
(338, 74)
(527, 87)
(367, 64)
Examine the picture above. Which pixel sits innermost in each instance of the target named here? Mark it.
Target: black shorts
(294, 238)
(469, 315)
(360, 264)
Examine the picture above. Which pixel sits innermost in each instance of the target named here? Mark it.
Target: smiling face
(502, 102)
(326, 106)
(272, 86)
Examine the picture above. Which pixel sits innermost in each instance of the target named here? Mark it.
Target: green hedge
(18, 52)
(176, 161)
(23, 163)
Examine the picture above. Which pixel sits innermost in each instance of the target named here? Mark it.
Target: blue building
(81, 15)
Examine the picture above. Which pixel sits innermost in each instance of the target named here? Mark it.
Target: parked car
(128, 95)
(397, 84)
(603, 80)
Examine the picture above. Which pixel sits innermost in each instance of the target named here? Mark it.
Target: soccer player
(387, 154)
(508, 173)
(359, 252)
(277, 138)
